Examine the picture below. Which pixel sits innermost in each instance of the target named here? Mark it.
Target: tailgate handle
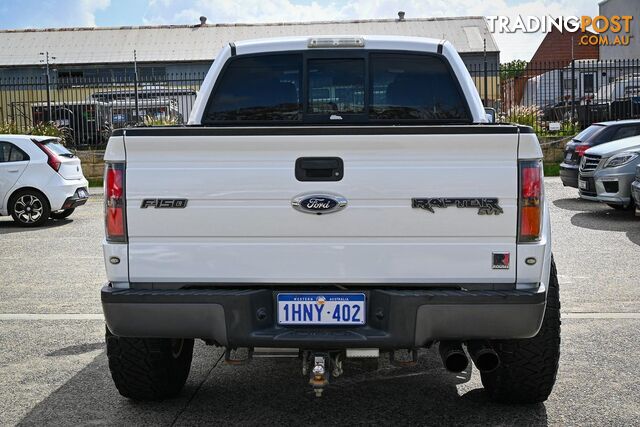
(319, 169)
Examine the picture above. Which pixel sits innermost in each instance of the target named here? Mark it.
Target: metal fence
(554, 98)
(88, 109)
(561, 97)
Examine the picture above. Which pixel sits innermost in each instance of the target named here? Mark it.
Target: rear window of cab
(349, 88)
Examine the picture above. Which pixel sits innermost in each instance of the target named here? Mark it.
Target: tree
(513, 69)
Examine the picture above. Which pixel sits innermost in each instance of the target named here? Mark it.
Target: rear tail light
(530, 203)
(114, 208)
(580, 149)
(52, 159)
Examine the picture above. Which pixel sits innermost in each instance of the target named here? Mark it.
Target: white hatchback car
(39, 179)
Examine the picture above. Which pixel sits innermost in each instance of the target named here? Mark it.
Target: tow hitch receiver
(319, 377)
(238, 356)
(404, 358)
(323, 366)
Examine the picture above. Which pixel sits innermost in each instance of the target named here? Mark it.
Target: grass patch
(95, 182)
(551, 169)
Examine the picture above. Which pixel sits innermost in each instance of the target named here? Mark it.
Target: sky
(16, 14)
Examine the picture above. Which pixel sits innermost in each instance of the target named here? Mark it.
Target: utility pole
(573, 86)
(45, 60)
(135, 80)
(486, 76)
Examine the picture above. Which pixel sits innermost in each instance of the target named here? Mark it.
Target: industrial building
(171, 49)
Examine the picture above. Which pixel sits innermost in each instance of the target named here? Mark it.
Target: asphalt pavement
(53, 366)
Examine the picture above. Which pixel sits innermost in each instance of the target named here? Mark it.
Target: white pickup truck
(334, 197)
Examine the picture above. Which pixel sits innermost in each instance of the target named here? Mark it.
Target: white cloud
(513, 46)
(86, 10)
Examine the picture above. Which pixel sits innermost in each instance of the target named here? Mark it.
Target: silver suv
(607, 171)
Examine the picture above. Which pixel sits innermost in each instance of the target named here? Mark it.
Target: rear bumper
(569, 175)
(395, 318)
(59, 190)
(77, 199)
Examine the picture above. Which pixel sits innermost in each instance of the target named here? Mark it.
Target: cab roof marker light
(336, 42)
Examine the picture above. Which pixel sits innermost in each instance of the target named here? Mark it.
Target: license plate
(321, 309)
(568, 156)
(583, 185)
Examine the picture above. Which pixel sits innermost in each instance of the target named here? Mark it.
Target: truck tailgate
(239, 224)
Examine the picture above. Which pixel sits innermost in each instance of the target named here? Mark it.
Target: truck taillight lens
(530, 202)
(114, 207)
(52, 159)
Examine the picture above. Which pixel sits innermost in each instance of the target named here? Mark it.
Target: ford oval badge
(319, 204)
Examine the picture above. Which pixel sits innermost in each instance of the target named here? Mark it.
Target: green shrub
(40, 129)
(528, 116)
(161, 121)
(9, 128)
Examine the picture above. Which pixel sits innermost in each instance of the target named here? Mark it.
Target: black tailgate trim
(329, 130)
(203, 296)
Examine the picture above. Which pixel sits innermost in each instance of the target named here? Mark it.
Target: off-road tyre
(149, 368)
(528, 367)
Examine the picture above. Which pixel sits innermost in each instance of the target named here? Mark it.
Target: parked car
(625, 87)
(183, 99)
(635, 190)
(607, 171)
(596, 134)
(373, 212)
(86, 122)
(39, 179)
(125, 113)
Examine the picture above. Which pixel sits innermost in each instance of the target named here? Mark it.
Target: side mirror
(491, 114)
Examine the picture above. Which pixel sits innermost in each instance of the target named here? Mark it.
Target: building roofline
(161, 62)
(240, 24)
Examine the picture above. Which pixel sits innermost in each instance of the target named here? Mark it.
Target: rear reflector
(530, 202)
(114, 207)
(52, 158)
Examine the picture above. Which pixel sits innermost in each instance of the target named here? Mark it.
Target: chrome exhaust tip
(484, 357)
(453, 356)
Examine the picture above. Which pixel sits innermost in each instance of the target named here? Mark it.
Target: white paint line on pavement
(56, 256)
(601, 315)
(51, 316)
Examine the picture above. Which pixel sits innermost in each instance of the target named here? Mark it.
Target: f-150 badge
(485, 205)
(164, 203)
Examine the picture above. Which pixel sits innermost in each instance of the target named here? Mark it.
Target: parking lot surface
(53, 365)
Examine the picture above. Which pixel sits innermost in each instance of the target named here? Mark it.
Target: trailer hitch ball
(319, 376)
